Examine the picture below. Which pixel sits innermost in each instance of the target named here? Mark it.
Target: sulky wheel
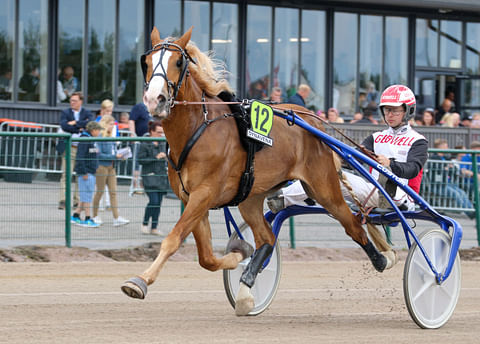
(267, 281)
(431, 305)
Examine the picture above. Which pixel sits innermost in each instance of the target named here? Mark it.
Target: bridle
(172, 87)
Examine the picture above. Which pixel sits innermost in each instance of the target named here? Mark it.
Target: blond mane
(208, 72)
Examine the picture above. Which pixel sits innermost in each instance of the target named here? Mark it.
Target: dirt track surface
(317, 302)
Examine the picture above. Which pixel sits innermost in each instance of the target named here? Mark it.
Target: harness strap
(247, 178)
(188, 147)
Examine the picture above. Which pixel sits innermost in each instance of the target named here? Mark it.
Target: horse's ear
(182, 41)
(155, 36)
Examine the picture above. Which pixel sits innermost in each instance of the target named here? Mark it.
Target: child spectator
(85, 166)
(123, 121)
(106, 175)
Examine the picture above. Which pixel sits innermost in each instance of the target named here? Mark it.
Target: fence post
(475, 195)
(68, 192)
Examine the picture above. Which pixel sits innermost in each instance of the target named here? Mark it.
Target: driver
(399, 148)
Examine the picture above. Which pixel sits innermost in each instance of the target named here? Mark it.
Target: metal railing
(431, 188)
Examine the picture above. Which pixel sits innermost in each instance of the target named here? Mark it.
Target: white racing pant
(294, 193)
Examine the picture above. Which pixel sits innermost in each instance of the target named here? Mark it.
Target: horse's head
(164, 69)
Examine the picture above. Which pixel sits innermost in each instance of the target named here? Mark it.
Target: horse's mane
(208, 72)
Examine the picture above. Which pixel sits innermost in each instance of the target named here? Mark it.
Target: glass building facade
(51, 48)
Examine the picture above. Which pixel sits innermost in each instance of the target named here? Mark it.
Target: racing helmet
(397, 95)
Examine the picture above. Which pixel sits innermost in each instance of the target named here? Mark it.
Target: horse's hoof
(240, 246)
(245, 302)
(135, 287)
(380, 263)
(392, 258)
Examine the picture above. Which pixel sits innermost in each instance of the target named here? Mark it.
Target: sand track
(327, 302)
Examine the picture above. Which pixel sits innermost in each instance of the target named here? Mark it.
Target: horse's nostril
(161, 99)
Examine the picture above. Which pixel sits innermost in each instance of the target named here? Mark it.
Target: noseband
(172, 87)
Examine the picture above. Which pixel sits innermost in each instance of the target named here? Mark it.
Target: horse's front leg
(195, 210)
(194, 216)
(252, 212)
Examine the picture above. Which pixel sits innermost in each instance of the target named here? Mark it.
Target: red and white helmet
(397, 95)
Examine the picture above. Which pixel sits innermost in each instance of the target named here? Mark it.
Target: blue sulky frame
(355, 159)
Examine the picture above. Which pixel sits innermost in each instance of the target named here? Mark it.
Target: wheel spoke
(420, 263)
(433, 304)
(423, 289)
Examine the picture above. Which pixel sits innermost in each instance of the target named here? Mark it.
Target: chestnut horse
(177, 71)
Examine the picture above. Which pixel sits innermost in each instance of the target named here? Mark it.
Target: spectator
(458, 157)
(6, 85)
(28, 85)
(301, 96)
(276, 95)
(417, 120)
(466, 121)
(152, 156)
(450, 95)
(428, 118)
(372, 95)
(451, 120)
(333, 117)
(73, 121)
(106, 175)
(357, 116)
(61, 96)
(70, 82)
(367, 117)
(85, 166)
(446, 178)
(446, 107)
(466, 161)
(106, 108)
(138, 126)
(123, 121)
(475, 120)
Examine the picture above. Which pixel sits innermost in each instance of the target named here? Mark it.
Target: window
(32, 51)
(259, 43)
(473, 48)
(450, 44)
(224, 38)
(130, 48)
(7, 34)
(168, 17)
(370, 60)
(70, 47)
(396, 50)
(312, 71)
(101, 50)
(197, 14)
(345, 62)
(285, 64)
(426, 42)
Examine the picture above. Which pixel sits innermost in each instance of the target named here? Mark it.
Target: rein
(365, 151)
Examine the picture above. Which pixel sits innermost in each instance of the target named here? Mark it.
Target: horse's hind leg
(328, 194)
(207, 259)
(252, 213)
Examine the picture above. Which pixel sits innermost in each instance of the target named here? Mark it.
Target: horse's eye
(179, 63)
